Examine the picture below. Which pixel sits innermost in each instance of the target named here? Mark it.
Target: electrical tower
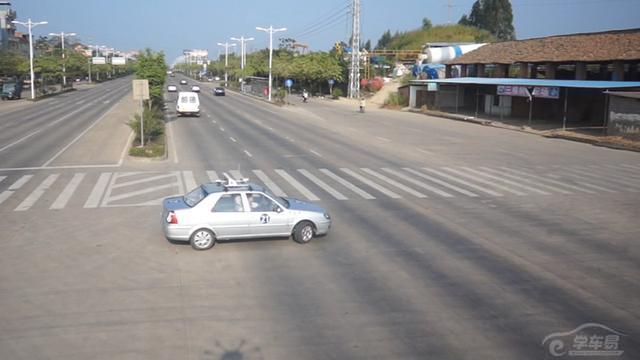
(354, 73)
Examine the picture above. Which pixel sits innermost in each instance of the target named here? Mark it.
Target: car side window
(229, 203)
(261, 203)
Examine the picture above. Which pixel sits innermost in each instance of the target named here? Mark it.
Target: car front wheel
(202, 239)
(303, 232)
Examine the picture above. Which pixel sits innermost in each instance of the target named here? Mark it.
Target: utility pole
(271, 30)
(354, 72)
(226, 60)
(243, 56)
(30, 24)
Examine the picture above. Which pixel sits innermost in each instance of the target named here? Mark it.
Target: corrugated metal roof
(585, 84)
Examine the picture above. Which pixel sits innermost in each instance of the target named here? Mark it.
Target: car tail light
(172, 218)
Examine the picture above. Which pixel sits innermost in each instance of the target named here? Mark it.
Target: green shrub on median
(153, 133)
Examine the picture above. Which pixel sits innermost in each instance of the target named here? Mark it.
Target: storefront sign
(549, 92)
(513, 90)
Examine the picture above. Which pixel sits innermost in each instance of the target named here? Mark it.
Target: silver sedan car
(236, 209)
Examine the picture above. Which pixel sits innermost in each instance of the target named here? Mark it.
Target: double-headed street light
(30, 24)
(270, 30)
(64, 70)
(243, 56)
(226, 59)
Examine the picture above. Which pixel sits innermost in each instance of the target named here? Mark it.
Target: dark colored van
(11, 90)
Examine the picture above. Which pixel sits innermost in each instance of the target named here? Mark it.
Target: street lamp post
(270, 30)
(29, 24)
(64, 70)
(226, 60)
(243, 55)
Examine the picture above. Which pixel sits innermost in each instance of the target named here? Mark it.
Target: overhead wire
(326, 20)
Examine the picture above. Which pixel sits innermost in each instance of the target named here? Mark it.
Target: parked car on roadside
(11, 90)
(237, 209)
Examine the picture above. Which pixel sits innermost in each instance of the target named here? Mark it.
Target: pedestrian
(362, 104)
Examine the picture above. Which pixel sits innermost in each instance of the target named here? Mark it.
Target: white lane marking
(212, 175)
(248, 153)
(539, 184)
(596, 187)
(512, 183)
(37, 193)
(189, 180)
(221, 129)
(68, 191)
(621, 171)
(2, 178)
(483, 181)
(269, 183)
(232, 139)
(425, 151)
(98, 191)
(394, 183)
(383, 139)
(440, 182)
(347, 184)
(174, 150)
(364, 180)
(315, 153)
(418, 183)
(60, 167)
(110, 198)
(460, 181)
(126, 147)
(631, 166)
(15, 186)
(139, 181)
(209, 116)
(547, 180)
(335, 193)
(236, 174)
(214, 122)
(270, 128)
(295, 183)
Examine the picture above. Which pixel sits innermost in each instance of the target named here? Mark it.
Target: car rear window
(194, 196)
(192, 99)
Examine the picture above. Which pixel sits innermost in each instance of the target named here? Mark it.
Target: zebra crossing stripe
(15, 186)
(418, 183)
(466, 183)
(584, 175)
(608, 176)
(189, 180)
(236, 174)
(440, 182)
(37, 193)
(68, 191)
(631, 166)
(512, 183)
(335, 193)
(511, 176)
(212, 175)
(548, 180)
(597, 187)
(2, 178)
(483, 181)
(269, 183)
(138, 181)
(98, 191)
(347, 184)
(295, 183)
(364, 180)
(622, 171)
(394, 183)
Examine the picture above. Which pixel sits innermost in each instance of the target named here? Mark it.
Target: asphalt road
(450, 240)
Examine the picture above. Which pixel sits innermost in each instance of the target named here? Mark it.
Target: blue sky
(171, 26)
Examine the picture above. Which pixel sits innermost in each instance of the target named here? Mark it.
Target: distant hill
(415, 39)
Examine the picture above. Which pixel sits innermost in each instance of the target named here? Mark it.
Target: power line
(322, 21)
(326, 25)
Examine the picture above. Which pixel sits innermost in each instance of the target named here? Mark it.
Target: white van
(188, 103)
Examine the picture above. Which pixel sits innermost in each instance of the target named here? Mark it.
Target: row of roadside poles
(30, 25)
(243, 57)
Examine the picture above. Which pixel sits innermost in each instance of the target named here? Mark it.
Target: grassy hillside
(414, 40)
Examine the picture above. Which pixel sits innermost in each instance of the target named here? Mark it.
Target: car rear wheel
(202, 239)
(303, 232)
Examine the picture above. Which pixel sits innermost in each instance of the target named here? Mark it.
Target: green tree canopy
(151, 66)
(495, 16)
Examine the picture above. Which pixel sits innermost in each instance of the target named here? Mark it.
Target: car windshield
(280, 200)
(195, 196)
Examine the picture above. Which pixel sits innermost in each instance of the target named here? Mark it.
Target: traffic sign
(331, 81)
(141, 89)
(288, 83)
